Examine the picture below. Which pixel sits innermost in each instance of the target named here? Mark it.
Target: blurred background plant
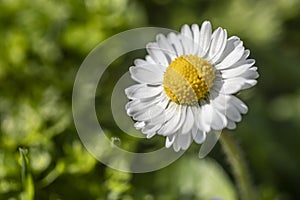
(43, 43)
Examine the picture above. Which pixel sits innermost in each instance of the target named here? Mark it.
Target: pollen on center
(188, 79)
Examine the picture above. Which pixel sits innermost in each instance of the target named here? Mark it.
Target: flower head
(187, 83)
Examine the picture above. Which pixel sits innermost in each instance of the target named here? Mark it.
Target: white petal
(171, 125)
(196, 37)
(131, 89)
(234, 72)
(218, 84)
(198, 136)
(132, 103)
(166, 47)
(231, 43)
(219, 120)
(163, 117)
(249, 83)
(150, 135)
(170, 140)
(199, 119)
(246, 54)
(154, 67)
(147, 74)
(217, 46)
(187, 39)
(139, 125)
(226, 107)
(186, 31)
(189, 121)
(140, 91)
(176, 145)
(194, 130)
(140, 62)
(150, 60)
(204, 38)
(174, 40)
(183, 114)
(197, 112)
(150, 130)
(250, 74)
(232, 113)
(147, 114)
(136, 107)
(219, 100)
(232, 58)
(232, 86)
(242, 61)
(241, 106)
(149, 111)
(156, 53)
(236, 84)
(206, 116)
(184, 141)
(231, 124)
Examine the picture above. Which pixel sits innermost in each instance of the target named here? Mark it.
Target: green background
(43, 43)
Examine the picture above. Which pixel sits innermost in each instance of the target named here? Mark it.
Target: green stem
(26, 178)
(239, 167)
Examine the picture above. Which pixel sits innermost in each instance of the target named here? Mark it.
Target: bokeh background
(43, 43)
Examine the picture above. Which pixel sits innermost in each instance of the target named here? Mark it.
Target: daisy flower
(186, 85)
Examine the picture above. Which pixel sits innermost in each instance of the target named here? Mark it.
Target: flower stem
(26, 178)
(239, 167)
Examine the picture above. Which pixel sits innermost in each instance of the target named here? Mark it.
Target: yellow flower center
(188, 79)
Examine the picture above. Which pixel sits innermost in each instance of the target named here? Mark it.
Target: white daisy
(186, 86)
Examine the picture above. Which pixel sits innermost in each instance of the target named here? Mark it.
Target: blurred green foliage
(42, 45)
